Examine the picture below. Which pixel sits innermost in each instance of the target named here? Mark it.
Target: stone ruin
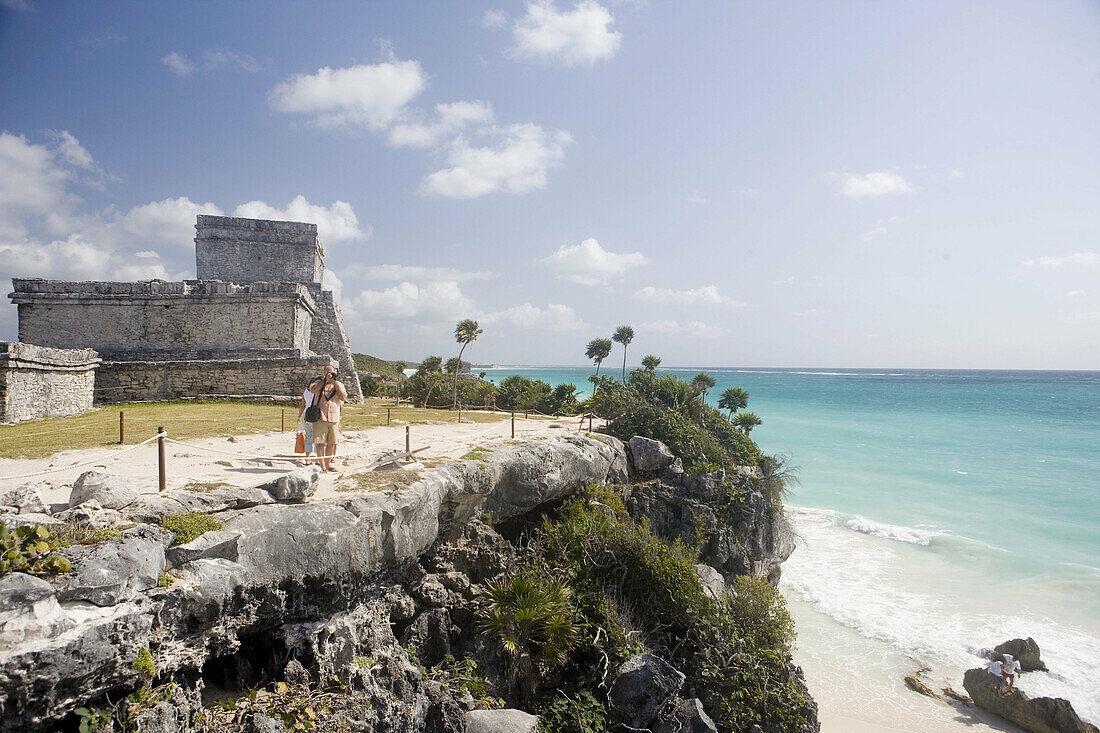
(36, 381)
(255, 322)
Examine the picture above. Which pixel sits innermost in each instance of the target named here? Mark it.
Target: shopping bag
(300, 443)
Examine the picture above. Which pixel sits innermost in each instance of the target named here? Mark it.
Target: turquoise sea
(939, 512)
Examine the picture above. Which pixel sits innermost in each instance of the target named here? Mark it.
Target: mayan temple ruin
(256, 321)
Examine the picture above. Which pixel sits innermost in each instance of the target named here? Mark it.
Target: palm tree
(623, 335)
(466, 332)
(400, 366)
(431, 368)
(733, 399)
(701, 382)
(746, 421)
(597, 351)
(651, 363)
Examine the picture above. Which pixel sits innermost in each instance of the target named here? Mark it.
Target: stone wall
(328, 337)
(137, 381)
(118, 318)
(37, 381)
(257, 250)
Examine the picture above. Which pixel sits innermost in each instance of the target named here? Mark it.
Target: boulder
(296, 486)
(26, 498)
(430, 636)
(112, 492)
(648, 456)
(90, 513)
(1039, 715)
(32, 519)
(644, 685)
(256, 722)
(223, 498)
(218, 543)
(152, 508)
(1026, 652)
(114, 571)
(507, 720)
(29, 610)
(689, 718)
(714, 585)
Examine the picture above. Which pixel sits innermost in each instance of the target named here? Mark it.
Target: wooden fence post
(513, 424)
(121, 428)
(408, 440)
(160, 457)
(590, 422)
(387, 416)
(282, 421)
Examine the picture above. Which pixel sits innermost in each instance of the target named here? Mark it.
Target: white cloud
(413, 272)
(335, 223)
(957, 173)
(1080, 258)
(1088, 316)
(437, 301)
(873, 234)
(75, 258)
(749, 192)
(179, 64)
(1075, 293)
(70, 149)
(588, 263)
(215, 58)
(370, 95)
(696, 197)
(449, 119)
(494, 19)
(517, 163)
(212, 58)
(697, 329)
(171, 221)
(874, 185)
(703, 295)
(554, 317)
(32, 184)
(578, 37)
(785, 281)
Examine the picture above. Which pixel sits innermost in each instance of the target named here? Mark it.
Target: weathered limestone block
(690, 717)
(26, 498)
(648, 456)
(296, 486)
(644, 685)
(90, 513)
(1039, 715)
(214, 544)
(28, 611)
(1025, 651)
(114, 571)
(38, 381)
(112, 492)
(501, 721)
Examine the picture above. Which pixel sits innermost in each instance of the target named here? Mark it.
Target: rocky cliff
(346, 601)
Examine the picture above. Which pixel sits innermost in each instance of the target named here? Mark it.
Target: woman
(309, 397)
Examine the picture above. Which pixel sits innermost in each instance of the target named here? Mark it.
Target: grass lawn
(38, 438)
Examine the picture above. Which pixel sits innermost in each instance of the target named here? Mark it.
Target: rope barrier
(286, 458)
(105, 457)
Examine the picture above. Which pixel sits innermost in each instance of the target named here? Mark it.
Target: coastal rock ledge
(1039, 715)
(343, 587)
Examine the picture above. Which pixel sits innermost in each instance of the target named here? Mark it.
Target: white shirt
(996, 667)
(1012, 667)
(308, 397)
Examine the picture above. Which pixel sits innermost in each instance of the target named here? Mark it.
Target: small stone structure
(37, 381)
(255, 322)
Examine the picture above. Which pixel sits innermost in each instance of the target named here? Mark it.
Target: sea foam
(911, 535)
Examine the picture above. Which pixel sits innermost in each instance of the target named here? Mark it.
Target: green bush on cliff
(632, 592)
(188, 526)
(31, 550)
(668, 409)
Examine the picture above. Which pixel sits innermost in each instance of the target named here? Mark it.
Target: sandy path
(197, 462)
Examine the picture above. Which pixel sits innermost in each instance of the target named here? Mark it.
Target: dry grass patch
(362, 483)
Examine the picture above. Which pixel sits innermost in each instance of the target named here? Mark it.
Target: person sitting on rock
(996, 670)
(1010, 669)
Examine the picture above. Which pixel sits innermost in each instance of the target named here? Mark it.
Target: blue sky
(757, 184)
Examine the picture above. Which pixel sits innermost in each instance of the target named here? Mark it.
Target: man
(1010, 669)
(326, 430)
(995, 669)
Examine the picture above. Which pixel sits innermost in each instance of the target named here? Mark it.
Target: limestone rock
(221, 499)
(690, 717)
(90, 513)
(28, 610)
(500, 721)
(296, 486)
(112, 492)
(916, 684)
(256, 722)
(295, 675)
(714, 585)
(32, 519)
(648, 456)
(218, 543)
(1039, 715)
(1026, 652)
(114, 571)
(26, 498)
(152, 508)
(644, 685)
(430, 636)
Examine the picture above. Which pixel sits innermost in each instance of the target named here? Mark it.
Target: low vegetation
(31, 550)
(189, 526)
(616, 591)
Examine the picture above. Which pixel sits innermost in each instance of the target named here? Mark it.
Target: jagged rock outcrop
(1039, 715)
(1025, 651)
(340, 587)
(25, 498)
(643, 686)
(112, 492)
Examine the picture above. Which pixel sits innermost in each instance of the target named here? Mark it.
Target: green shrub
(144, 665)
(187, 526)
(31, 550)
(563, 714)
